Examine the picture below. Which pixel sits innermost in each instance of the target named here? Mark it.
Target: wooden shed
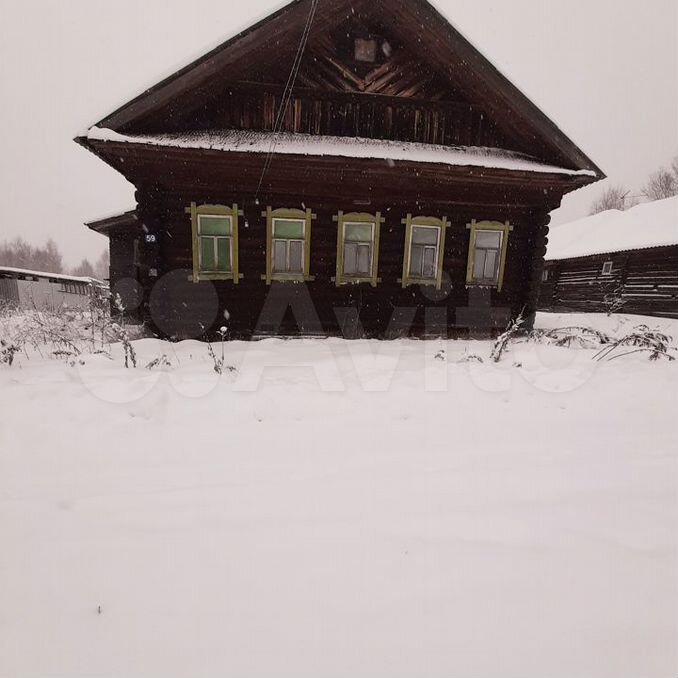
(36, 290)
(615, 261)
(350, 168)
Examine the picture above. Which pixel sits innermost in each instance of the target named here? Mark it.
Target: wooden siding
(645, 280)
(30, 291)
(248, 107)
(9, 291)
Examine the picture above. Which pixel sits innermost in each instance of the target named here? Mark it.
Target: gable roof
(443, 48)
(652, 224)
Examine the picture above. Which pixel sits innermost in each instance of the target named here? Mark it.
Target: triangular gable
(434, 62)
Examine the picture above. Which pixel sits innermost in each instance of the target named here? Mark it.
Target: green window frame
(424, 254)
(215, 242)
(288, 245)
(487, 256)
(358, 238)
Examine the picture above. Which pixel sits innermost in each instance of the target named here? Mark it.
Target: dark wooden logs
(642, 281)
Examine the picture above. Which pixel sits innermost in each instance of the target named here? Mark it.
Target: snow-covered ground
(338, 508)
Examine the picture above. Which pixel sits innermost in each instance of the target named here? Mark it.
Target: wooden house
(350, 168)
(28, 290)
(615, 261)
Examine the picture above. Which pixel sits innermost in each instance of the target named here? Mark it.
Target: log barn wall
(646, 281)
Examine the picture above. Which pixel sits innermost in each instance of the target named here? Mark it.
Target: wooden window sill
(212, 277)
(347, 280)
(289, 278)
(424, 282)
(476, 283)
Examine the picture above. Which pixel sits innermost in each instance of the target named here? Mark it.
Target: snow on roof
(653, 224)
(345, 147)
(51, 276)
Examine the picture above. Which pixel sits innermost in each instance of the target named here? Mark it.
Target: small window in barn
(358, 248)
(289, 238)
(424, 250)
(487, 253)
(608, 267)
(366, 50)
(215, 242)
(545, 275)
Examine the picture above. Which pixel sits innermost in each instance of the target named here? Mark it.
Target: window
(215, 242)
(358, 248)
(487, 255)
(289, 245)
(545, 275)
(366, 50)
(488, 246)
(214, 233)
(608, 266)
(424, 249)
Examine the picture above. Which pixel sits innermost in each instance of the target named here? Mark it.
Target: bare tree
(662, 184)
(49, 258)
(102, 266)
(614, 198)
(19, 254)
(84, 269)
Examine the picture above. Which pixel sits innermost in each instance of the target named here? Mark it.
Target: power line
(287, 93)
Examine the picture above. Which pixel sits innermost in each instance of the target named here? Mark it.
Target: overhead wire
(287, 94)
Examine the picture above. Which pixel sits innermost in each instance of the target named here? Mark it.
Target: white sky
(606, 71)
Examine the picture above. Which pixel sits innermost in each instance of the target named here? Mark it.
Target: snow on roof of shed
(652, 224)
(49, 276)
(348, 147)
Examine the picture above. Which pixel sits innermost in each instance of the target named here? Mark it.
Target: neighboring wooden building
(341, 168)
(23, 289)
(615, 261)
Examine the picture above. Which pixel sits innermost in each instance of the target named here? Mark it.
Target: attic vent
(366, 50)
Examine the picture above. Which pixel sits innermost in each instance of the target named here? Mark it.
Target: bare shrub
(641, 340)
(613, 198)
(7, 352)
(513, 330)
(219, 361)
(163, 362)
(614, 300)
(584, 337)
(471, 358)
(662, 184)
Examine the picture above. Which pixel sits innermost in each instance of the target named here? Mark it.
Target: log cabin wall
(177, 307)
(645, 281)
